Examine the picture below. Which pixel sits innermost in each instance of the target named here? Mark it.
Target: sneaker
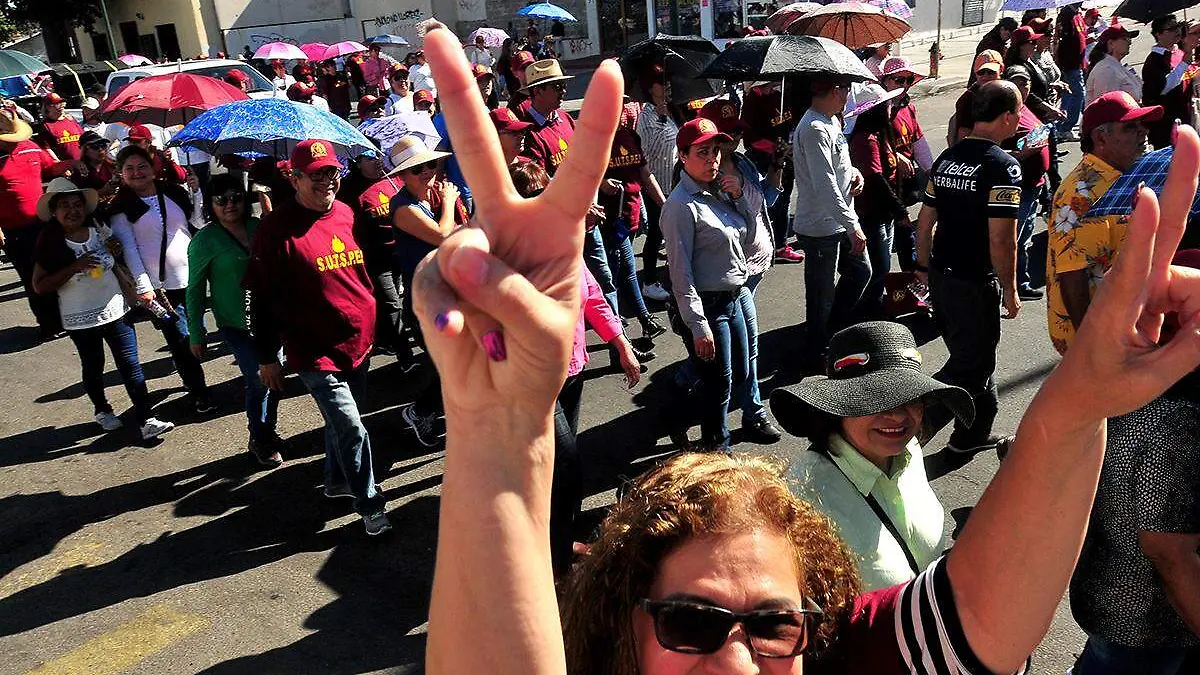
(429, 429)
(377, 523)
(1030, 293)
(761, 430)
(655, 292)
(204, 405)
(153, 428)
(108, 421)
(335, 491)
(789, 255)
(1003, 447)
(990, 443)
(651, 328)
(266, 452)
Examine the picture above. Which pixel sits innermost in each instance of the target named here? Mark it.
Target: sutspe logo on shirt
(340, 258)
(625, 158)
(383, 204)
(558, 157)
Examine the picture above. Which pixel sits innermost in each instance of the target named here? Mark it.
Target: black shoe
(651, 328)
(644, 356)
(265, 452)
(1030, 293)
(964, 447)
(761, 430)
(429, 429)
(204, 404)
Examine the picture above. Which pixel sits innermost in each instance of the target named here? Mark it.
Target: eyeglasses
(229, 197)
(694, 628)
(431, 165)
(326, 174)
(903, 81)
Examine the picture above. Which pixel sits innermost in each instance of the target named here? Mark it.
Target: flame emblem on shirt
(337, 245)
(624, 151)
(562, 144)
(319, 150)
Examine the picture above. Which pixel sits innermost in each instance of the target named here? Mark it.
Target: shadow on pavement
(16, 339)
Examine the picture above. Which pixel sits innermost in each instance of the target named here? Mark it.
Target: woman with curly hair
(710, 564)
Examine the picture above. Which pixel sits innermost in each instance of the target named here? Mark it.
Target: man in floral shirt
(1082, 249)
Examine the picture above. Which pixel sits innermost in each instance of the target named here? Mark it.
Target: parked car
(260, 86)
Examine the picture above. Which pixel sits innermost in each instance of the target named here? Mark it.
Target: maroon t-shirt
(625, 165)
(766, 125)
(309, 287)
(61, 137)
(547, 143)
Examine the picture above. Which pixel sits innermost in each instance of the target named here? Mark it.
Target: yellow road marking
(86, 554)
(127, 644)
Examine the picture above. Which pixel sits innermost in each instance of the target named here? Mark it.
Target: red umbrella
(168, 100)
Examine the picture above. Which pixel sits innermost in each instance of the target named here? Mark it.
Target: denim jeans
(175, 332)
(728, 368)
(747, 396)
(596, 260)
(1101, 657)
(829, 306)
(623, 267)
(566, 489)
(347, 445)
(262, 404)
(1026, 222)
(122, 342)
(879, 252)
(967, 313)
(1072, 100)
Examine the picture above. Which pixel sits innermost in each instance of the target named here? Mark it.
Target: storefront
(714, 19)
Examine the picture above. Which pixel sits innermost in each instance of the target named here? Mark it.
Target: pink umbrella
(314, 50)
(134, 60)
(279, 50)
(342, 49)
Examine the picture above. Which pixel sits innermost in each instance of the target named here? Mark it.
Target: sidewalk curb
(937, 85)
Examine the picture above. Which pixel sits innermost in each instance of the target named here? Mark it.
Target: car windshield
(257, 81)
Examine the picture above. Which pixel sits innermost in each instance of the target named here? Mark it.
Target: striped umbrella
(854, 24)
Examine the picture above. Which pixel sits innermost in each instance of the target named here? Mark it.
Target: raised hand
(498, 302)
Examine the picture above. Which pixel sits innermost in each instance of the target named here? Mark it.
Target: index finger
(1176, 202)
(475, 142)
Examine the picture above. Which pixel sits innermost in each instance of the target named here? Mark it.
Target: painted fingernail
(441, 321)
(493, 344)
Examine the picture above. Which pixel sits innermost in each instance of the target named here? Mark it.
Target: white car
(260, 86)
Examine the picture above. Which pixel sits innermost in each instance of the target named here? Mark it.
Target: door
(149, 47)
(168, 41)
(100, 47)
(131, 38)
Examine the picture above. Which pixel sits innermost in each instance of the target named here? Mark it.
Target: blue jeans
(623, 267)
(1026, 221)
(829, 306)
(1072, 100)
(728, 368)
(262, 404)
(122, 342)
(347, 445)
(1101, 657)
(747, 396)
(879, 252)
(596, 260)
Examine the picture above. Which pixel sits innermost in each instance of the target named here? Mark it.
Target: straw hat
(543, 72)
(13, 129)
(411, 151)
(64, 186)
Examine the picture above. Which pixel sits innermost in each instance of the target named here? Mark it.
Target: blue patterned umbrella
(269, 126)
(545, 10)
(1022, 5)
(1150, 169)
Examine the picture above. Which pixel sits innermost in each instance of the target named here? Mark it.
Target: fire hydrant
(935, 56)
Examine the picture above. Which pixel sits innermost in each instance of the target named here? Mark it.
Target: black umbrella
(773, 57)
(682, 58)
(1146, 11)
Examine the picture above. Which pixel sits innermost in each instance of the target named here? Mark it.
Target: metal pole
(112, 43)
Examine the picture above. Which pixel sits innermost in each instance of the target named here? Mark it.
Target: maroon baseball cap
(140, 132)
(313, 155)
(506, 121)
(369, 102)
(521, 59)
(1025, 34)
(301, 92)
(479, 70)
(1117, 106)
(236, 75)
(53, 99)
(1116, 33)
(423, 96)
(724, 114)
(699, 130)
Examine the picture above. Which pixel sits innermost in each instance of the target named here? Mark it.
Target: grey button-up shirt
(707, 238)
(821, 161)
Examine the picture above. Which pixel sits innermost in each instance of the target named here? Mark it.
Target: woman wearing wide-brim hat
(865, 468)
(73, 260)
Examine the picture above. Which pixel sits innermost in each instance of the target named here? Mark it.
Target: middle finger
(1174, 205)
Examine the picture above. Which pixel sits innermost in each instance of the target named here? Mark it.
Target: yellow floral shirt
(1078, 243)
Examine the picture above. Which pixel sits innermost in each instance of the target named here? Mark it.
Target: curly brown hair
(688, 496)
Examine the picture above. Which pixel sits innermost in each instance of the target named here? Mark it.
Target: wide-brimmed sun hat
(411, 151)
(871, 368)
(867, 95)
(64, 186)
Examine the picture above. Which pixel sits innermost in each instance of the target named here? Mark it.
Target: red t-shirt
(309, 287)
(547, 143)
(61, 137)
(21, 174)
(373, 221)
(766, 125)
(625, 164)
(336, 90)
(907, 130)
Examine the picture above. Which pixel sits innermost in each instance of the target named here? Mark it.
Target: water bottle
(158, 310)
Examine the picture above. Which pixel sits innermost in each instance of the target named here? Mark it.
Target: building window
(727, 19)
(677, 17)
(972, 12)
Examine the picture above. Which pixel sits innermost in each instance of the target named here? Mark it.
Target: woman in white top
(1107, 72)
(657, 126)
(153, 221)
(72, 260)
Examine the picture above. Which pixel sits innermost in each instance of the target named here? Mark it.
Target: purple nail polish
(441, 321)
(493, 344)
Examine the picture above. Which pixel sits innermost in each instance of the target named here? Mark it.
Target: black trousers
(654, 240)
(387, 309)
(967, 311)
(566, 489)
(19, 247)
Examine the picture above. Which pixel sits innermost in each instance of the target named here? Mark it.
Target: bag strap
(162, 251)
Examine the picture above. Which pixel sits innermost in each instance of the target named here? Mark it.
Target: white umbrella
(388, 130)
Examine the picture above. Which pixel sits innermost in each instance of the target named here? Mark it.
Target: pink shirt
(594, 310)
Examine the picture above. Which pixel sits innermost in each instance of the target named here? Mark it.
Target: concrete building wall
(185, 15)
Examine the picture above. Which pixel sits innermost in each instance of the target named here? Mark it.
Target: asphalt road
(183, 557)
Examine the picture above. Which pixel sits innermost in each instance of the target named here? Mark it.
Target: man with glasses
(310, 290)
(1158, 65)
(58, 132)
(551, 134)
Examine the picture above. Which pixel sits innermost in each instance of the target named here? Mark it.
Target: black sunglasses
(431, 165)
(228, 197)
(904, 81)
(694, 628)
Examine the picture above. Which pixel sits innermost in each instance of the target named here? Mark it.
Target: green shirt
(837, 485)
(218, 260)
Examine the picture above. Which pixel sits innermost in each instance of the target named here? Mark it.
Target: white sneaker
(108, 421)
(655, 292)
(153, 428)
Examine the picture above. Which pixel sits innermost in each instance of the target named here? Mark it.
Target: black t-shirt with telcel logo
(970, 182)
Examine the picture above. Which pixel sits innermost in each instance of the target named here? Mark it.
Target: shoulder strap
(162, 250)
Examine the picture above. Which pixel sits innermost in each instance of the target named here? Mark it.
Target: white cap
(90, 103)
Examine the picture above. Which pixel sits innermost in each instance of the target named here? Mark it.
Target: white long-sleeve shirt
(141, 242)
(1109, 74)
(821, 161)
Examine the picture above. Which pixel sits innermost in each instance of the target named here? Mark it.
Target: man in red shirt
(310, 291)
(23, 167)
(552, 129)
(58, 132)
(769, 121)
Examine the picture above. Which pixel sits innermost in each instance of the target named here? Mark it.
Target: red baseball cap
(699, 130)
(1025, 34)
(313, 155)
(479, 70)
(236, 75)
(1116, 32)
(423, 96)
(140, 132)
(521, 59)
(724, 114)
(367, 102)
(53, 99)
(399, 68)
(1117, 106)
(506, 121)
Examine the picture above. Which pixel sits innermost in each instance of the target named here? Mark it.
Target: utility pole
(112, 43)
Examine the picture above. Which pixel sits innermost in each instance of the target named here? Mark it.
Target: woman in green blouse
(217, 258)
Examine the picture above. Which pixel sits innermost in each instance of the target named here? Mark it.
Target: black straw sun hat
(871, 367)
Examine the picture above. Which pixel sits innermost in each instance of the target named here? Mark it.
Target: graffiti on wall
(576, 47)
(257, 40)
(411, 16)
